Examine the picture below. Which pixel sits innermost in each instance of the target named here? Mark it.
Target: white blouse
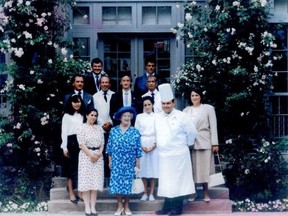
(70, 125)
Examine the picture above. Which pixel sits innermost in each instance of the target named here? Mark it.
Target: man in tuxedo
(92, 81)
(125, 97)
(140, 86)
(78, 84)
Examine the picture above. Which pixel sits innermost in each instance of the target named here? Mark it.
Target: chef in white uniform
(174, 134)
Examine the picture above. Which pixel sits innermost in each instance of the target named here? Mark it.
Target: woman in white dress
(71, 122)
(204, 118)
(91, 164)
(149, 161)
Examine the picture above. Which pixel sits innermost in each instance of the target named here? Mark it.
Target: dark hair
(88, 112)
(69, 108)
(76, 75)
(105, 76)
(148, 98)
(199, 91)
(96, 61)
(152, 75)
(150, 59)
(126, 73)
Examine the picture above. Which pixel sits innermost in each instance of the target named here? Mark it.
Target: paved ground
(150, 214)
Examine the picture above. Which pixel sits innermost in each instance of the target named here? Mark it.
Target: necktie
(79, 93)
(126, 99)
(97, 81)
(105, 96)
(152, 95)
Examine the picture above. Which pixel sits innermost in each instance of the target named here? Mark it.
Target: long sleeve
(64, 131)
(213, 126)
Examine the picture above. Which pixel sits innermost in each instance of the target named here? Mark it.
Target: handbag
(137, 184)
(217, 178)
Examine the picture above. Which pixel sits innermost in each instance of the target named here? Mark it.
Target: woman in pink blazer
(206, 143)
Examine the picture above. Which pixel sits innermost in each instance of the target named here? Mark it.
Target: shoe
(175, 212)
(117, 213)
(192, 199)
(206, 199)
(128, 212)
(75, 201)
(162, 212)
(151, 198)
(144, 197)
(94, 214)
(87, 214)
(79, 199)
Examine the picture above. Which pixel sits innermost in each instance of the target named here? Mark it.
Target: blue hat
(117, 115)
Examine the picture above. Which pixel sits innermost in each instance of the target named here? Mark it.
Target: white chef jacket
(174, 133)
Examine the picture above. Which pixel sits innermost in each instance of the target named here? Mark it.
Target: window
(117, 15)
(156, 15)
(117, 58)
(4, 105)
(82, 50)
(279, 99)
(81, 15)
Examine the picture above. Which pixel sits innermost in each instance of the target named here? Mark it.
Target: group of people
(107, 134)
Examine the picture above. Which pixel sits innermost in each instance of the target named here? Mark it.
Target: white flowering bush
(231, 42)
(256, 171)
(25, 207)
(34, 33)
(271, 206)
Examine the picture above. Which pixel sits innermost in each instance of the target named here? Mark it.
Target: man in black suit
(92, 81)
(78, 84)
(125, 97)
(140, 86)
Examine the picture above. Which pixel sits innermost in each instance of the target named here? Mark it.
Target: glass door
(158, 49)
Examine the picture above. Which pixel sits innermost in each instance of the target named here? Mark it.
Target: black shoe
(162, 212)
(79, 199)
(74, 201)
(175, 212)
(94, 214)
(86, 214)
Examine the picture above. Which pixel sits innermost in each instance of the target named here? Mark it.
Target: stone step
(62, 194)
(106, 203)
(109, 206)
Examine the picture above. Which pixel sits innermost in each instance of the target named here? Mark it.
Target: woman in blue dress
(124, 152)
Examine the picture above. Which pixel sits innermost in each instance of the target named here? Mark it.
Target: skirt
(203, 165)
(70, 165)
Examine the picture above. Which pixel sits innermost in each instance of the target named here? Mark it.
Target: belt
(93, 148)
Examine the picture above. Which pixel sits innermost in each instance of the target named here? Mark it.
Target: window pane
(149, 15)
(280, 82)
(82, 48)
(125, 15)
(281, 6)
(164, 15)
(81, 15)
(109, 16)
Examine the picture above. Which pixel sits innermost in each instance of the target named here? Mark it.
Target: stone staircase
(106, 203)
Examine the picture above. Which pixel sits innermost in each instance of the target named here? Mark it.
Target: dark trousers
(173, 204)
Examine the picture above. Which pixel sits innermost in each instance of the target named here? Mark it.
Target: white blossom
(21, 86)
(236, 4)
(188, 17)
(180, 25)
(39, 81)
(64, 51)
